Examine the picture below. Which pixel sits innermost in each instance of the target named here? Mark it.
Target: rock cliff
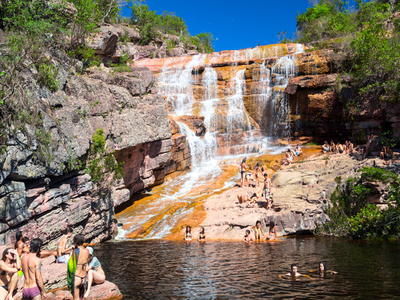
(42, 185)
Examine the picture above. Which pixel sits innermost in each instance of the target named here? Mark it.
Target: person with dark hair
(247, 237)
(288, 157)
(62, 250)
(188, 234)
(95, 273)
(293, 271)
(267, 189)
(242, 168)
(114, 228)
(26, 248)
(77, 266)
(272, 231)
(202, 235)
(31, 266)
(322, 270)
(9, 266)
(19, 245)
(258, 232)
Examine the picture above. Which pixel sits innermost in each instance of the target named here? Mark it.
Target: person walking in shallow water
(242, 168)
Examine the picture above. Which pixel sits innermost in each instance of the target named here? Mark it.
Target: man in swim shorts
(31, 266)
(267, 188)
(62, 250)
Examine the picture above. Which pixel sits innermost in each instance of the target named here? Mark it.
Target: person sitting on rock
(95, 273)
(267, 188)
(297, 150)
(272, 232)
(247, 237)
(350, 147)
(258, 232)
(389, 153)
(62, 250)
(332, 147)
(288, 157)
(382, 155)
(325, 147)
(10, 264)
(188, 233)
(340, 148)
(202, 235)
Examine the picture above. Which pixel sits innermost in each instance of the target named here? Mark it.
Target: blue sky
(235, 24)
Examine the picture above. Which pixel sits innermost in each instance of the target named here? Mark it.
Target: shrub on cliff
(102, 165)
(351, 213)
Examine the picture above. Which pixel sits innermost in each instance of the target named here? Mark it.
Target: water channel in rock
(157, 269)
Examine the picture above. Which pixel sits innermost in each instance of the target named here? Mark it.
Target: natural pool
(157, 269)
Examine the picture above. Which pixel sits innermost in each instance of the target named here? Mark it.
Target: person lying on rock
(258, 232)
(31, 266)
(247, 237)
(202, 235)
(10, 264)
(95, 273)
(188, 233)
(272, 232)
(252, 198)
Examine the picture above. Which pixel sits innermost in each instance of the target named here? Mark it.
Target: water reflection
(222, 270)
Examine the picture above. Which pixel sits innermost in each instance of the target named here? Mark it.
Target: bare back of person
(61, 245)
(31, 267)
(80, 273)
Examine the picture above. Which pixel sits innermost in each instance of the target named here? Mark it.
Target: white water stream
(176, 85)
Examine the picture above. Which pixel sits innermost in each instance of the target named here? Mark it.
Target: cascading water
(228, 126)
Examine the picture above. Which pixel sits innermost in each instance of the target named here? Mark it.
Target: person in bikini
(297, 150)
(80, 258)
(202, 235)
(272, 232)
(31, 266)
(188, 234)
(267, 189)
(10, 264)
(325, 147)
(247, 237)
(95, 273)
(242, 168)
(62, 250)
(258, 232)
(288, 157)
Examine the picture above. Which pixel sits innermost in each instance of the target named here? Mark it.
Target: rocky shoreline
(300, 194)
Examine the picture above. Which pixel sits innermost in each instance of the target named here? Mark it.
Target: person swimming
(322, 270)
(188, 233)
(247, 237)
(258, 232)
(202, 235)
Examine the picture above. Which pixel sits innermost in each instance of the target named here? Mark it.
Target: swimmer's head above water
(322, 267)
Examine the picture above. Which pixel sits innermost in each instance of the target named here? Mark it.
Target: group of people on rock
(23, 260)
(259, 178)
(346, 148)
(290, 154)
(258, 234)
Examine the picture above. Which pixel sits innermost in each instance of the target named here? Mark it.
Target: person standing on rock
(242, 168)
(31, 266)
(19, 244)
(267, 188)
(9, 266)
(77, 266)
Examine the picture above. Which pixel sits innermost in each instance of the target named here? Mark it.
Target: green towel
(71, 269)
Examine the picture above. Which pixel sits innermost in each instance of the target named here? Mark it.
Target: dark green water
(219, 270)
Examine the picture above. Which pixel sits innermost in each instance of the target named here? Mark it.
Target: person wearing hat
(95, 273)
